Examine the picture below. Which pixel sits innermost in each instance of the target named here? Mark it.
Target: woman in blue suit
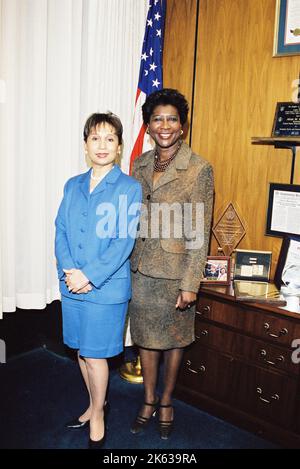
(95, 234)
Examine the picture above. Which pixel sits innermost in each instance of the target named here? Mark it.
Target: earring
(147, 131)
(181, 132)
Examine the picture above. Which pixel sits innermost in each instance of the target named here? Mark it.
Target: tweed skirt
(155, 323)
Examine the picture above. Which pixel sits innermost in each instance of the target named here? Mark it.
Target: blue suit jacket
(96, 233)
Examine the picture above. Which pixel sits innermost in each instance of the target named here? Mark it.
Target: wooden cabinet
(240, 366)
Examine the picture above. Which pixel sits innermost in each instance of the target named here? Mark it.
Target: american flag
(151, 76)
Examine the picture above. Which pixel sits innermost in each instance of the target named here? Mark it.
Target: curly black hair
(102, 118)
(164, 97)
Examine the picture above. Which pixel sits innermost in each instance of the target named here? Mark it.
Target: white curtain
(60, 60)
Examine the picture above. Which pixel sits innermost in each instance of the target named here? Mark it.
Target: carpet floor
(41, 390)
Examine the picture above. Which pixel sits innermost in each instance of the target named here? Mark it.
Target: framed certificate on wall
(287, 28)
(283, 214)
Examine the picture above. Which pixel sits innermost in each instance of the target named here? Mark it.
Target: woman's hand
(85, 289)
(75, 280)
(185, 298)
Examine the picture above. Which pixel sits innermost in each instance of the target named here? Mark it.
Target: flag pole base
(132, 371)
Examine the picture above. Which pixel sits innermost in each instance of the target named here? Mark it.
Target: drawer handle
(204, 333)
(190, 369)
(263, 353)
(205, 309)
(283, 331)
(275, 397)
(201, 368)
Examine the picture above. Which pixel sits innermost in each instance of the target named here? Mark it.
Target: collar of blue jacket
(110, 178)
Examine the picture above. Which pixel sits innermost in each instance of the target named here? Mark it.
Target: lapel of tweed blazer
(146, 166)
(181, 162)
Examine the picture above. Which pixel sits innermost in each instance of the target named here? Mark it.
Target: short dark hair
(164, 97)
(102, 118)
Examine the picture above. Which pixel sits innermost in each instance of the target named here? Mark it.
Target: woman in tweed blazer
(169, 256)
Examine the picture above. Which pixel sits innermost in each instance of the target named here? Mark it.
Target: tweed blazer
(188, 181)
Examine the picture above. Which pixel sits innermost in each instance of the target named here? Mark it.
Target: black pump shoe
(98, 443)
(76, 424)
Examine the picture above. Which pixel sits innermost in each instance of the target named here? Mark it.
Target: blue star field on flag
(151, 74)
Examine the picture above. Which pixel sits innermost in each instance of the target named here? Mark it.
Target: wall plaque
(229, 230)
(286, 120)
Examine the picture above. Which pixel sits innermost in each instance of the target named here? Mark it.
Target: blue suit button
(80, 246)
(84, 214)
(82, 230)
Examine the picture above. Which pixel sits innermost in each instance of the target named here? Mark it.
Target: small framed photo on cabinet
(217, 270)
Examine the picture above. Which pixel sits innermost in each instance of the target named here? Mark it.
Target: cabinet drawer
(266, 395)
(207, 372)
(245, 347)
(266, 326)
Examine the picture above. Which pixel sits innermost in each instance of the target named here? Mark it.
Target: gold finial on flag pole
(132, 371)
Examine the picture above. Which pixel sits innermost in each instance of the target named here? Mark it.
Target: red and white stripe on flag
(142, 143)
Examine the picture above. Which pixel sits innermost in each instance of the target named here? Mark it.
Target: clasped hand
(185, 299)
(76, 281)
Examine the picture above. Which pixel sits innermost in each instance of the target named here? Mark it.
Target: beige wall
(237, 86)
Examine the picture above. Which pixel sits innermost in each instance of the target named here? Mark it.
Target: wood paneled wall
(180, 46)
(237, 84)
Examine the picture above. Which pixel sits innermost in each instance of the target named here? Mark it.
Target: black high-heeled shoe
(76, 424)
(140, 422)
(97, 444)
(166, 426)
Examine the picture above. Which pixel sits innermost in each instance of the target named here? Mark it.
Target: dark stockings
(150, 363)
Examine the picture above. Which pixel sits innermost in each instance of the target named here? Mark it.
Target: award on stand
(287, 120)
(229, 230)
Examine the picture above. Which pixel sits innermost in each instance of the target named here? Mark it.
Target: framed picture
(288, 265)
(287, 28)
(217, 270)
(252, 265)
(283, 214)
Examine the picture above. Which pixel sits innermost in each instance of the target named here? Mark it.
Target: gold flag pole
(132, 371)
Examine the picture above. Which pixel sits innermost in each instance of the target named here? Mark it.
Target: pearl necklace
(161, 166)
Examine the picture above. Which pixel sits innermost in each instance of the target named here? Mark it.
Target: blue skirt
(96, 330)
